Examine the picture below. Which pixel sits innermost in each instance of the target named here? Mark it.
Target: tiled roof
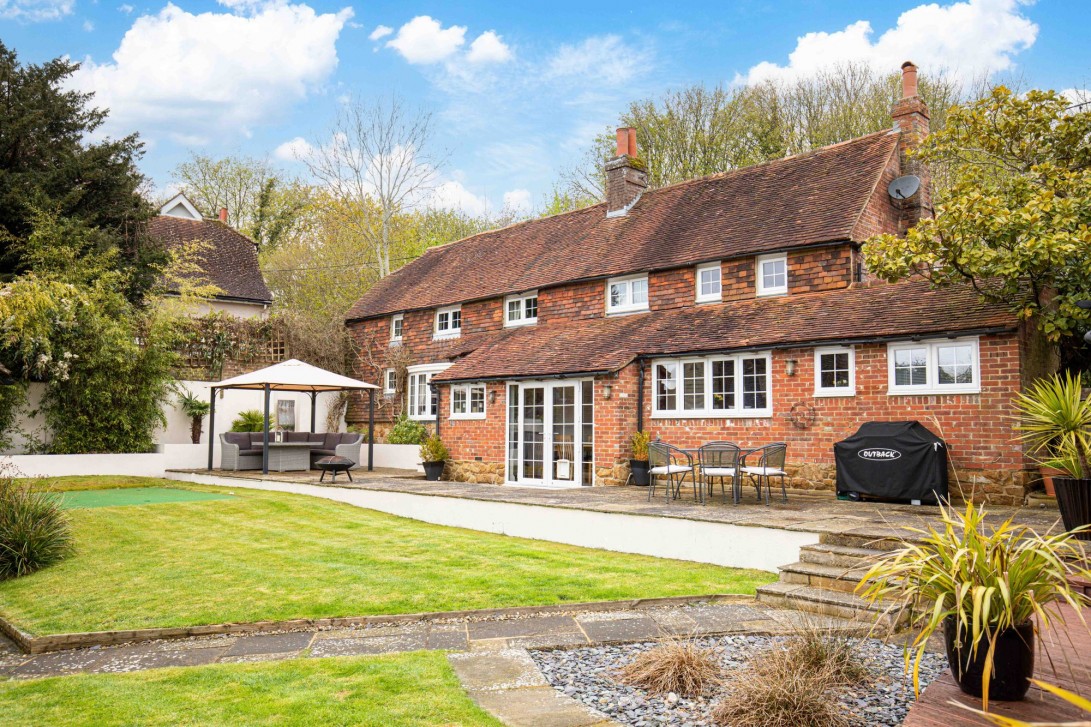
(899, 310)
(230, 261)
(807, 199)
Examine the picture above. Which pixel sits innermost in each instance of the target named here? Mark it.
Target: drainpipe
(640, 398)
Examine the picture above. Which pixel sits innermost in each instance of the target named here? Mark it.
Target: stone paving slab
(606, 631)
(135, 658)
(357, 646)
(538, 707)
(533, 626)
(271, 644)
(499, 670)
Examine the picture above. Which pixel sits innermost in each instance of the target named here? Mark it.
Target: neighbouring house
(229, 259)
(732, 307)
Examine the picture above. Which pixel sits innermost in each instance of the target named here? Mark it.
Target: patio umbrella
(293, 375)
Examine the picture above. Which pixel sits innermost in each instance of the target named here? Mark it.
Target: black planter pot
(433, 471)
(639, 469)
(1013, 662)
(1074, 502)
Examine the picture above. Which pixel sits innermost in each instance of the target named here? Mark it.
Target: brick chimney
(223, 215)
(626, 179)
(910, 115)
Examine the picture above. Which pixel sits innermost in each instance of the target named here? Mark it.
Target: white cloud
(1077, 95)
(32, 11)
(293, 149)
(424, 40)
(606, 58)
(488, 48)
(126, 8)
(88, 26)
(967, 38)
(518, 200)
(381, 31)
(194, 76)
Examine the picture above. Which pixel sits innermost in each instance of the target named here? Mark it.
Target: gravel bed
(587, 675)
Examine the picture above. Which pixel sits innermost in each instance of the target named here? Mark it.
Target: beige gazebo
(293, 375)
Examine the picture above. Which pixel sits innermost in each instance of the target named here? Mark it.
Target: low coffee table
(334, 465)
(290, 456)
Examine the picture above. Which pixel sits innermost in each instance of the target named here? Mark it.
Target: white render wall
(736, 546)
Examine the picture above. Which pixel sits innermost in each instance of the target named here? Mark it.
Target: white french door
(550, 433)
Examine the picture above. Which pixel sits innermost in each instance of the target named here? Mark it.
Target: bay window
(420, 402)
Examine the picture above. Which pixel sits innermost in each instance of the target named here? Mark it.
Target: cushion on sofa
(257, 439)
(350, 438)
(241, 439)
(323, 452)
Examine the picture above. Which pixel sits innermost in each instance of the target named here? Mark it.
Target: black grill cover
(892, 460)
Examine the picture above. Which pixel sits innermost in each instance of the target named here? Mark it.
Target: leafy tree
(1012, 210)
(699, 130)
(49, 164)
(262, 202)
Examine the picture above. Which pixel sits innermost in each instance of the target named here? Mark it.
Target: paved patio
(807, 511)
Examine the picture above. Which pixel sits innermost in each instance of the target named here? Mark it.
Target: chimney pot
(909, 80)
(632, 142)
(622, 142)
(223, 215)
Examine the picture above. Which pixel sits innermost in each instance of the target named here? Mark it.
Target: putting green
(133, 496)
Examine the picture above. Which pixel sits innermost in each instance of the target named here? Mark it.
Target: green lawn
(403, 689)
(264, 555)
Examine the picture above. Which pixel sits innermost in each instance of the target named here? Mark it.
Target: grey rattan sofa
(242, 450)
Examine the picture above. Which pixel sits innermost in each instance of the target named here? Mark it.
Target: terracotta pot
(1074, 502)
(1047, 474)
(1013, 662)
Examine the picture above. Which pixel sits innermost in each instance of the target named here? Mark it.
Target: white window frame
(467, 390)
(820, 390)
(449, 332)
(389, 386)
(932, 387)
(710, 297)
(522, 301)
(394, 320)
(760, 275)
(421, 376)
(628, 307)
(707, 412)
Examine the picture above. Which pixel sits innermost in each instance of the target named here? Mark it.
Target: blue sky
(517, 89)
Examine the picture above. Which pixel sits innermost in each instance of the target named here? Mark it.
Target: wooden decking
(1070, 652)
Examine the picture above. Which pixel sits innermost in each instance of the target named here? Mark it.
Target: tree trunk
(195, 429)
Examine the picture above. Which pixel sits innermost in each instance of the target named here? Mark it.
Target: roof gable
(180, 206)
(802, 200)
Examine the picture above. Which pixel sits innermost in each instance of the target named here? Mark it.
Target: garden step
(822, 601)
(879, 542)
(831, 577)
(844, 556)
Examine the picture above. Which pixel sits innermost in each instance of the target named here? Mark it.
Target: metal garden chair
(666, 460)
(720, 460)
(770, 464)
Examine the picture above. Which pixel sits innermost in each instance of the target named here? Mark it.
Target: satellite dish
(904, 187)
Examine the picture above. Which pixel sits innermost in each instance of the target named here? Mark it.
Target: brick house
(732, 307)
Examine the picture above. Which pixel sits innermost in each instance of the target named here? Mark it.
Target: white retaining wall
(723, 544)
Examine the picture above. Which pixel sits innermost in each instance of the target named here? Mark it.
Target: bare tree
(378, 162)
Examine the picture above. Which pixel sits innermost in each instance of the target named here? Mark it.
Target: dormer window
(709, 285)
(449, 322)
(627, 295)
(521, 310)
(772, 274)
(396, 325)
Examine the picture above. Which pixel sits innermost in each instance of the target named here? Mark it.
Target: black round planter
(1074, 502)
(1013, 662)
(433, 471)
(639, 468)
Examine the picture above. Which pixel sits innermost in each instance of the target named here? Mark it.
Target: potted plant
(638, 464)
(983, 590)
(1055, 418)
(196, 409)
(433, 454)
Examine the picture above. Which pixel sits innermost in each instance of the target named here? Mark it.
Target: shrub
(249, 421)
(818, 649)
(773, 691)
(433, 450)
(639, 442)
(681, 667)
(406, 431)
(34, 530)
